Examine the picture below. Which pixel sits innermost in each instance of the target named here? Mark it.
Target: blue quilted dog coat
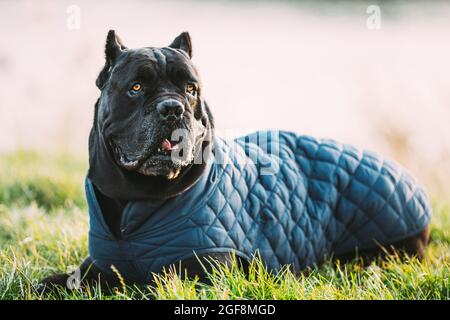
(295, 202)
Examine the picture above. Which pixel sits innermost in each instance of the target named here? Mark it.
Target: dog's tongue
(166, 145)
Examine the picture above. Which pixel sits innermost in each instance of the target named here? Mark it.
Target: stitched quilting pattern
(323, 198)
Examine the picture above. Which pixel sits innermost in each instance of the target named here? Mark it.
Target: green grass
(44, 224)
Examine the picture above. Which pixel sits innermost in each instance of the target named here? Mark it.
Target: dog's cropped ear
(113, 48)
(183, 42)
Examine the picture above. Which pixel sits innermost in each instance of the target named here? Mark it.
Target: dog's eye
(191, 88)
(136, 87)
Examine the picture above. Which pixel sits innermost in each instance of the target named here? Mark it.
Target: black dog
(147, 94)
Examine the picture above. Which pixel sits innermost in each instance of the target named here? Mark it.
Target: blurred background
(370, 73)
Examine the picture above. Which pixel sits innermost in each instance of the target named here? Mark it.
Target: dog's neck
(114, 188)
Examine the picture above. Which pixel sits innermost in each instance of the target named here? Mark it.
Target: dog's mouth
(167, 146)
(166, 158)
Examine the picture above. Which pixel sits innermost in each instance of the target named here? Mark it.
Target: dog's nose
(170, 109)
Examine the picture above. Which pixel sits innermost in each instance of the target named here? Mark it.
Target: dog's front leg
(87, 274)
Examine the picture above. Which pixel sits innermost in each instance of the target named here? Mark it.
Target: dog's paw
(53, 284)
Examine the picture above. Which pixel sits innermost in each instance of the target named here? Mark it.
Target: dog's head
(151, 120)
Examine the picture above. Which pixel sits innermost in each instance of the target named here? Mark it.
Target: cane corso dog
(146, 94)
